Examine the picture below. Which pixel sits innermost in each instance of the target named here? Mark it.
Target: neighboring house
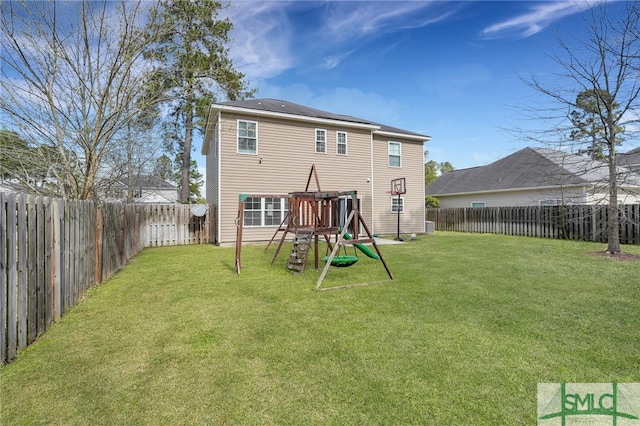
(630, 160)
(532, 177)
(9, 187)
(266, 147)
(145, 189)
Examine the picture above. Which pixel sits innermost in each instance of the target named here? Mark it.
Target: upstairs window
(395, 154)
(321, 141)
(247, 137)
(341, 143)
(478, 204)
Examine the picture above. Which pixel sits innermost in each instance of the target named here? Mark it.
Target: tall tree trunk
(613, 224)
(130, 181)
(186, 154)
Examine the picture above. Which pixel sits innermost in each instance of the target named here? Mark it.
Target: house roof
(12, 187)
(528, 168)
(630, 159)
(279, 107)
(147, 182)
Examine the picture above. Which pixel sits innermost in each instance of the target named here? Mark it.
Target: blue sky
(451, 70)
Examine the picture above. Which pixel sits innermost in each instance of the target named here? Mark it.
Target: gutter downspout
(218, 154)
(424, 207)
(373, 204)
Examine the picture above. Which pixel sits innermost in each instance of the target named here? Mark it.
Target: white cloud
(333, 61)
(261, 38)
(538, 18)
(350, 20)
(265, 41)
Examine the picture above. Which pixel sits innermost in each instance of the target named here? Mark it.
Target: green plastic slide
(366, 250)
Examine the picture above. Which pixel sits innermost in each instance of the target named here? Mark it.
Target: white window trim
(315, 139)
(346, 142)
(393, 199)
(238, 137)
(389, 154)
(284, 202)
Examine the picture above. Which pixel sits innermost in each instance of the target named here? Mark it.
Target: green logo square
(566, 404)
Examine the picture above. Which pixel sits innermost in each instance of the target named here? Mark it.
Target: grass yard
(463, 335)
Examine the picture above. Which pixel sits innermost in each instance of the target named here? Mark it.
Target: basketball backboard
(398, 186)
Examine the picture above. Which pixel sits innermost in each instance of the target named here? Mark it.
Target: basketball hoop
(398, 186)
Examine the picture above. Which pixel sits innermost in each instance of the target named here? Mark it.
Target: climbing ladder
(299, 252)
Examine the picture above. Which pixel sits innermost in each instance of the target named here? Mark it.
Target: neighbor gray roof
(527, 168)
(284, 107)
(15, 188)
(630, 159)
(148, 182)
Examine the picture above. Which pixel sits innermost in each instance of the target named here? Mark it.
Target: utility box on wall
(429, 227)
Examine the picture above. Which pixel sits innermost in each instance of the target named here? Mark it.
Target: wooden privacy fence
(52, 251)
(572, 222)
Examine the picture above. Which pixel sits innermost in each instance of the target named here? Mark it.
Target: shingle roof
(148, 182)
(630, 159)
(284, 107)
(527, 168)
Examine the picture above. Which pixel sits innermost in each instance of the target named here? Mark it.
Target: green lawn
(462, 336)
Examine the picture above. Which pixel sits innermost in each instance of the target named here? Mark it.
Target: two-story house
(266, 147)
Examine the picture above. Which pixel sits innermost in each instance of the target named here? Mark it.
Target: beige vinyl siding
(286, 151)
(212, 165)
(212, 162)
(412, 219)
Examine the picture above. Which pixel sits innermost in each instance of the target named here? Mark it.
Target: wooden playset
(315, 214)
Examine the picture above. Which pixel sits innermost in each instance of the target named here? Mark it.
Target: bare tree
(606, 65)
(73, 78)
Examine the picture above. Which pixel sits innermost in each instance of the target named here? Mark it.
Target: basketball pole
(398, 209)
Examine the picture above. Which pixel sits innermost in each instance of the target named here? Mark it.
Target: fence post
(12, 279)
(22, 272)
(98, 275)
(3, 280)
(121, 236)
(56, 258)
(32, 290)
